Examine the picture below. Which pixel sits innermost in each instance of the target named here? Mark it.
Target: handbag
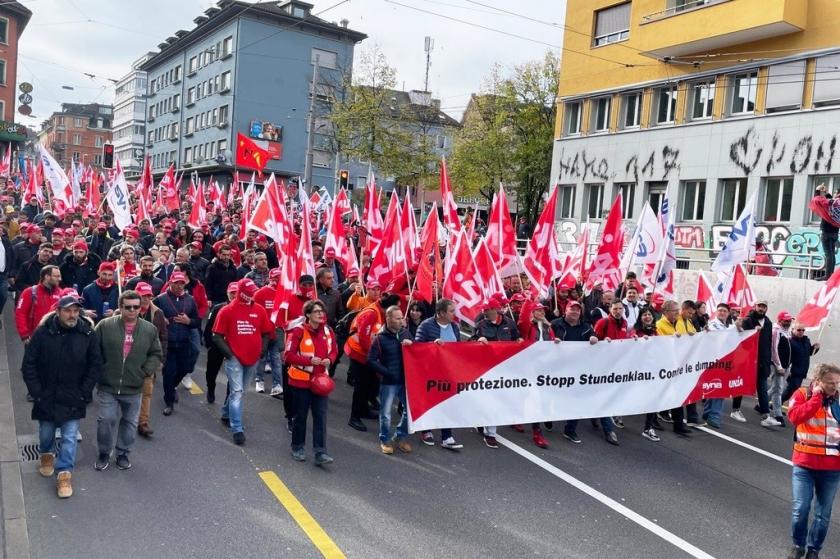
(321, 385)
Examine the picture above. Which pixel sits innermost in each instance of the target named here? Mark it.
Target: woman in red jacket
(310, 349)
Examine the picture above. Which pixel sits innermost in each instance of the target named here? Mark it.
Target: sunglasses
(799, 330)
(131, 307)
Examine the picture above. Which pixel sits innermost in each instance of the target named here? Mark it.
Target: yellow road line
(195, 389)
(299, 513)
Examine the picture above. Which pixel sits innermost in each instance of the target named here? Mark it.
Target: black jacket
(199, 267)
(61, 393)
(100, 245)
(23, 252)
(385, 356)
(155, 282)
(80, 275)
(801, 351)
(333, 303)
(568, 333)
(765, 337)
(504, 331)
(10, 257)
(219, 277)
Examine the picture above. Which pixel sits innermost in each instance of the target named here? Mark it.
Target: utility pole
(429, 47)
(310, 139)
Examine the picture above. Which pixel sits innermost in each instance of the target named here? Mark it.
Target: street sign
(26, 87)
(25, 98)
(25, 110)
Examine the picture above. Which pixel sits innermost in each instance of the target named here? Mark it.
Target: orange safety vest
(353, 344)
(819, 435)
(307, 349)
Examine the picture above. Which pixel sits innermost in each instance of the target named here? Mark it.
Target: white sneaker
(78, 436)
(770, 422)
(650, 434)
(260, 387)
(276, 390)
(451, 444)
(187, 382)
(58, 432)
(738, 416)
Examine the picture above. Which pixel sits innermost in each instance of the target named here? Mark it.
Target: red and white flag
(336, 239)
(372, 218)
(429, 268)
(705, 293)
(450, 208)
(487, 271)
(169, 190)
(31, 189)
(57, 180)
(389, 263)
(740, 294)
(816, 310)
(409, 232)
(198, 214)
(305, 259)
(501, 236)
(6, 162)
(462, 283)
(606, 268)
(542, 257)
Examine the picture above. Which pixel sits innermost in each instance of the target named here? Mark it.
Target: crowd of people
(119, 308)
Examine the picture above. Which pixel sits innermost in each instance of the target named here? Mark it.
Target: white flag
(118, 198)
(667, 253)
(740, 246)
(647, 243)
(55, 177)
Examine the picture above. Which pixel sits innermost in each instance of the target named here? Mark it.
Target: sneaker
(276, 391)
(540, 441)
(450, 444)
(491, 442)
(572, 437)
(123, 463)
(650, 434)
(102, 462)
(167, 410)
(812, 554)
(612, 438)
(322, 459)
(299, 455)
(239, 438)
(404, 446)
(47, 466)
(549, 425)
(428, 438)
(781, 420)
(211, 397)
(63, 486)
(78, 436)
(618, 422)
(770, 422)
(260, 387)
(357, 424)
(387, 448)
(696, 423)
(187, 382)
(713, 423)
(518, 428)
(665, 416)
(58, 432)
(796, 553)
(144, 430)
(738, 416)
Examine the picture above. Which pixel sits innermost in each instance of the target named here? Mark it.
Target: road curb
(15, 531)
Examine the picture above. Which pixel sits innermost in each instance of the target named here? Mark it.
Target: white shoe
(738, 416)
(770, 422)
(650, 434)
(451, 444)
(187, 382)
(276, 390)
(78, 436)
(58, 432)
(260, 387)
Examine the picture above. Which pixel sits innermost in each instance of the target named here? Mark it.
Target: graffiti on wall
(751, 151)
(656, 165)
(689, 236)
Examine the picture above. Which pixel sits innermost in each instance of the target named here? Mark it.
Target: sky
(68, 39)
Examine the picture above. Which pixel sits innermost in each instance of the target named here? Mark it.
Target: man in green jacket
(131, 352)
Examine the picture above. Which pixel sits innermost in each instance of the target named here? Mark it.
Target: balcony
(691, 26)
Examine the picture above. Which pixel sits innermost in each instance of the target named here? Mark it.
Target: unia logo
(736, 382)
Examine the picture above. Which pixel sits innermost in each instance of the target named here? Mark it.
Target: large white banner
(504, 383)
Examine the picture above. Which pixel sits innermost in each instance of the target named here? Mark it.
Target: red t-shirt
(243, 326)
(265, 298)
(128, 342)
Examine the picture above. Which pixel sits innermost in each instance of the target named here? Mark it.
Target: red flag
(450, 208)
(409, 232)
(501, 236)
(430, 258)
(705, 292)
(92, 197)
(740, 293)
(31, 189)
(372, 218)
(461, 285)
(487, 271)
(249, 154)
(541, 258)
(606, 268)
(816, 310)
(6, 162)
(335, 231)
(169, 190)
(305, 258)
(389, 263)
(198, 214)
(142, 208)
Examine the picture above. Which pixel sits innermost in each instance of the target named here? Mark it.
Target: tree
(511, 140)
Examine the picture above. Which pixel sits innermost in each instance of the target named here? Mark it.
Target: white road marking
(745, 445)
(649, 525)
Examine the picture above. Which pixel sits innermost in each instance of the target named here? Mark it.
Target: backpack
(345, 327)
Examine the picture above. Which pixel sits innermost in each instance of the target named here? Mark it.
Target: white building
(130, 117)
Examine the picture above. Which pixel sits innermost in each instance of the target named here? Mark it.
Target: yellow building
(708, 100)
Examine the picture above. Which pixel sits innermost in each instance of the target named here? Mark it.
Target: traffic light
(108, 156)
(343, 178)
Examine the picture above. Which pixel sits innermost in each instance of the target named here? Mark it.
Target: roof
(421, 105)
(227, 10)
(21, 13)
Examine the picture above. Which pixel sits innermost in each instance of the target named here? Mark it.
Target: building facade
(245, 68)
(129, 126)
(13, 19)
(78, 133)
(711, 100)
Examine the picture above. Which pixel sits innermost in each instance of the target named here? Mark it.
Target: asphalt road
(192, 493)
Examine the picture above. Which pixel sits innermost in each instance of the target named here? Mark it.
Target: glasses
(131, 307)
(799, 329)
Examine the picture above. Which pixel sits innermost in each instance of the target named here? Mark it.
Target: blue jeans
(67, 455)
(387, 394)
(110, 406)
(275, 346)
(776, 384)
(4, 288)
(179, 363)
(807, 484)
(238, 377)
(606, 424)
(712, 408)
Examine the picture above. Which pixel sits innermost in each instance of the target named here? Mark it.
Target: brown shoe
(47, 467)
(387, 448)
(63, 486)
(404, 446)
(144, 430)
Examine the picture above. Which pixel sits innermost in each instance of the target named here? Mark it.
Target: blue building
(246, 68)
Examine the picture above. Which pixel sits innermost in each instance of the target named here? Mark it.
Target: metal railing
(689, 6)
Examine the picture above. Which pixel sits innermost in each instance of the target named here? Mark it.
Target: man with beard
(757, 320)
(60, 250)
(220, 274)
(100, 297)
(197, 261)
(29, 273)
(37, 301)
(80, 267)
(28, 247)
(147, 275)
(99, 241)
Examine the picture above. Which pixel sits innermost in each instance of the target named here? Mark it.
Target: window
(827, 87)
(190, 96)
(572, 118)
(61, 120)
(214, 120)
(733, 198)
(176, 101)
(188, 126)
(4, 30)
(202, 121)
(785, 85)
(321, 158)
(80, 122)
(682, 5)
(743, 88)
(175, 130)
(832, 183)
(193, 64)
(600, 114)
(97, 159)
(702, 100)
(227, 46)
(98, 142)
(628, 193)
(216, 84)
(630, 108)
(566, 196)
(777, 198)
(2, 72)
(223, 114)
(226, 81)
(326, 59)
(76, 156)
(177, 77)
(665, 104)
(188, 155)
(77, 139)
(594, 200)
(612, 24)
(656, 194)
(222, 146)
(693, 198)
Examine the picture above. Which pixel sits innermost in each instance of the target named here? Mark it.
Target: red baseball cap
(133, 233)
(373, 284)
(143, 289)
(274, 273)
(80, 245)
(784, 315)
(107, 267)
(178, 277)
(196, 245)
(247, 287)
(58, 231)
(330, 252)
